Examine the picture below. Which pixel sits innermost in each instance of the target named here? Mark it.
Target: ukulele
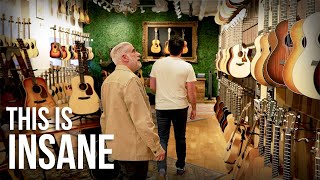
(83, 100)
(155, 47)
(55, 47)
(36, 89)
(185, 46)
(309, 58)
(166, 44)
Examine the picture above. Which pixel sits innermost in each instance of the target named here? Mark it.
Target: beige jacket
(126, 114)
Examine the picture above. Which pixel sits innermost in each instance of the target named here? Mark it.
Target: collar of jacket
(122, 67)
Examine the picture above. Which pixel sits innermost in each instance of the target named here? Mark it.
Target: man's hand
(161, 156)
(193, 114)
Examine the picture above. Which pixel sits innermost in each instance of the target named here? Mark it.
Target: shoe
(162, 175)
(180, 171)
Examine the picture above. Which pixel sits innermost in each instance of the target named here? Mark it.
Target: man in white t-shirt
(173, 79)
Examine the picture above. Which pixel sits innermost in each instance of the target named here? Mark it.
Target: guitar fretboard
(266, 16)
(275, 157)
(287, 158)
(267, 150)
(283, 5)
(261, 135)
(274, 14)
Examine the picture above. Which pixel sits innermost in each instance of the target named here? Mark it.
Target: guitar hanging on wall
(155, 47)
(185, 47)
(166, 44)
(83, 100)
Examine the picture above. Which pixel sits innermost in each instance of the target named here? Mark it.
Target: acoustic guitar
(309, 59)
(255, 63)
(239, 65)
(298, 43)
(63, 49)
(83, 93)
(66, 45)
(155, 47)
(32, 42)
(185, 46)
(55, 47)
(36, 89)
(3, 38)
(166, 44)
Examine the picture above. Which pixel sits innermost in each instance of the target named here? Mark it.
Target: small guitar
(166, 44)
(185, 47)
(83, 93)
(55, 47)
(155, 47)
(36, 88)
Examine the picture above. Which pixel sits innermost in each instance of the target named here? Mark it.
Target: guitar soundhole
(32, 45)
(288, 41)
(83, 86)
(240, 54)
(36, 89)
(304, 42)
(270, 48)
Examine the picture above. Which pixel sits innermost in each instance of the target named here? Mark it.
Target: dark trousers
(179, 121)
(133, 170)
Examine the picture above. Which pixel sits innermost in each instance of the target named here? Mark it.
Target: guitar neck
(274, 14)
(266, 16)
(287, 156)
(261, 136)
(275, 157)
(283, 5)
(310, 7)
(267, 152)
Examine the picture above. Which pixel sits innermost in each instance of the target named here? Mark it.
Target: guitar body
(304, 69)
(255, 166)
(55, 50)
(90, 53)
(317, 78)
(279, 54)
(273, 41)
(233, 148)
(63, 52)
(83, 100)
(256, 56)
(245, 165)
(68, 57)
(38, 96)
(297, 36)
(81, 16)
(228, 55)
(265, 51)
(239, 65)
(28, 46)
(266, 172)
(155, 48)
(185, 48)
(75, 54)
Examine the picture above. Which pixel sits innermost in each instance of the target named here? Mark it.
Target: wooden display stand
(200, 89)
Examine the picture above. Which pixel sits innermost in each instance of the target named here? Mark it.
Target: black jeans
(133, 170)
(179, 121)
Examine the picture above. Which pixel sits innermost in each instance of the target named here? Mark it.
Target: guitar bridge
(239, 64)
(83, 98)
(39, 102)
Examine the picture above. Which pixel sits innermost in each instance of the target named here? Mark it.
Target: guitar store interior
(256, 117)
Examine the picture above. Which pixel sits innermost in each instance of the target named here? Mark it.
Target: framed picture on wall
(156, 35)
(40, 9)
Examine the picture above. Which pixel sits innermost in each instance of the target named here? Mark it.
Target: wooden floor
(205, 141)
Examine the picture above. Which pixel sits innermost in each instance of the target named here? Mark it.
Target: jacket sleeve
(139, 110)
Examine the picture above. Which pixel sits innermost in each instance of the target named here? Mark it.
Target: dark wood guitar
(279, 55)
(36, 89)
(271, 45)
(55, 46)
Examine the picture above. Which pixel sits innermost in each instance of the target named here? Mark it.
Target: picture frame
(40, 9)
(160, 31)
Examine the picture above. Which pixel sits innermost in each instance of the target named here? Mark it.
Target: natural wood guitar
(304, 68)
(155, 47)
(83, 93)
(166, 44)
(36, 89)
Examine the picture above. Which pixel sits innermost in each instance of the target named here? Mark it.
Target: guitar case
(97, 173)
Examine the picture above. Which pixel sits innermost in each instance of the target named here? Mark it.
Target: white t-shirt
(171, 76)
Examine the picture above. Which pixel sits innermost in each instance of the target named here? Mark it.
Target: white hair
(117, 51)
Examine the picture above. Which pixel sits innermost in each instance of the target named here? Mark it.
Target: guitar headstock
(264, 104)
(271, 108)
(290, 121)
(279, 116)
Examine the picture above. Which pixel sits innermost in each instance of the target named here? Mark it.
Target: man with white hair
(126, 114)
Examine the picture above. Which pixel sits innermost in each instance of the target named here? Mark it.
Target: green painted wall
(108, 29)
